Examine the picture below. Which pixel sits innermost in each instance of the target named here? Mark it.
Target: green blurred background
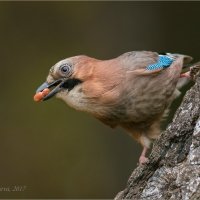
(49, 149)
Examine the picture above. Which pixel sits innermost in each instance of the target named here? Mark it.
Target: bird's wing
(137, 59)
(147, 62)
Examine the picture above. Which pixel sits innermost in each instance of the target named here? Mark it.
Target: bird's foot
(143, 160)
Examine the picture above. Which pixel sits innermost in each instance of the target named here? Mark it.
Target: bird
(132, 91)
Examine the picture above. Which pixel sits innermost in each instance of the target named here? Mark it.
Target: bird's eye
(66, 69)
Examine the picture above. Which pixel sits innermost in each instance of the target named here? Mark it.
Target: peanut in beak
(40, 95)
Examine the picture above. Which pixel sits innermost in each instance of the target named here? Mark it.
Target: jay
(132, 91)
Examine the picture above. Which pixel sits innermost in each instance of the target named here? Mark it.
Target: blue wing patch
(164, 61)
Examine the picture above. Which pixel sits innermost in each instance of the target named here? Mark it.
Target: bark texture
(173, 171)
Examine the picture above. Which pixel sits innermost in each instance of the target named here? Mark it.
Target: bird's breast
(78, 100)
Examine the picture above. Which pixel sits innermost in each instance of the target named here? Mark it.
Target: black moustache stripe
(71, 83)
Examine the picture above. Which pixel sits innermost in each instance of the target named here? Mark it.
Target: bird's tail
(187, 59)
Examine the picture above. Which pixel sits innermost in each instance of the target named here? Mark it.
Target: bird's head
(84, 83)
(65, 75)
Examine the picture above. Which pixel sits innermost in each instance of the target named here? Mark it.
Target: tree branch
(174, 168)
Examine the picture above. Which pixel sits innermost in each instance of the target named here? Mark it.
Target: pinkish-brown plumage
(120, 91)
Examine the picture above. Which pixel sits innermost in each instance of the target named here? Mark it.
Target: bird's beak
(57, 87)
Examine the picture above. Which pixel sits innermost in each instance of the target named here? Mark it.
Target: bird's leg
(186, 74)
(143, 159)
(144, 138)
(192, 73)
